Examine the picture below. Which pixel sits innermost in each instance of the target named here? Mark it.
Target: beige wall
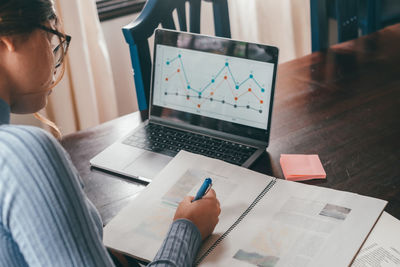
(121, 63)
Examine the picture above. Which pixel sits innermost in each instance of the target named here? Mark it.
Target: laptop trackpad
(148, 164)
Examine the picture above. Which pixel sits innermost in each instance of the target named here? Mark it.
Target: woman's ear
(8, 43)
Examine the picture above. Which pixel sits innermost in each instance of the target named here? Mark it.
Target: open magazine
(264, 221)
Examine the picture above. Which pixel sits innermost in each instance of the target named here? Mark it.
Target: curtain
(282, 23)
(86, 95)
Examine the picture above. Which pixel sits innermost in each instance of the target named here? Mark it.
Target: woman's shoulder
(21, 141)
(31, 149)
(23, 135)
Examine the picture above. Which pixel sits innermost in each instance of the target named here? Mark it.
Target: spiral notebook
(264, 221)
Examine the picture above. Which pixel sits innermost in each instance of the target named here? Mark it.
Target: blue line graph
(200, 91)
(237, 85)
(218, 86)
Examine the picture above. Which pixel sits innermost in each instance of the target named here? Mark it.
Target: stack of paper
(298, 167)
(382, 247)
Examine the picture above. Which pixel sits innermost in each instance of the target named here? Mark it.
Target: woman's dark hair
(18, 17)
(23, 16)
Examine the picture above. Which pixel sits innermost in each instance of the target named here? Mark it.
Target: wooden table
(342, 104)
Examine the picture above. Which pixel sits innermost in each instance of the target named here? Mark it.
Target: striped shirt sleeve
(45, 216)
(180, 247)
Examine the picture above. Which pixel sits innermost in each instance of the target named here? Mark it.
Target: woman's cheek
(48, 68)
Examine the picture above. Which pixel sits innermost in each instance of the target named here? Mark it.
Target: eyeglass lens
(60, 47)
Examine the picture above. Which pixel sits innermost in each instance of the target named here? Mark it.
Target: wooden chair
(157, 12)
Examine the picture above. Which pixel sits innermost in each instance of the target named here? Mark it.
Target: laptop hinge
(209, 132)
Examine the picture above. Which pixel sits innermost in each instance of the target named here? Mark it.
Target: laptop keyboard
(169, 141)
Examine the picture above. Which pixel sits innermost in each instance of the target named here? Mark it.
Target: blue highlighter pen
(203, 189)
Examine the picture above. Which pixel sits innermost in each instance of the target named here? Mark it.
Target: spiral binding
(222, 237)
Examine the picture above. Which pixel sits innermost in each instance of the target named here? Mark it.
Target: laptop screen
(214, 82)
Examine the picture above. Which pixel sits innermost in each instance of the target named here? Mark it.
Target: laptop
(209, 95)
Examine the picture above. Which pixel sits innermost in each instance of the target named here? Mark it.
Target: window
(109, 9)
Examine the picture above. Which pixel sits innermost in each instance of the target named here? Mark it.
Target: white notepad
(264, 221)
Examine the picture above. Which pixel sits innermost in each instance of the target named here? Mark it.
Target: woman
(45, 218)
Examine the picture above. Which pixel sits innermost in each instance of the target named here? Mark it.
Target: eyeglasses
(60, 44)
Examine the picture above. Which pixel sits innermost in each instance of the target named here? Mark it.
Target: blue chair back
(382, 13)
(157, 12)
(345, 12)
(351, 16)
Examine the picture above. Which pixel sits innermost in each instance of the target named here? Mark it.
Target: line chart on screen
(218, 86)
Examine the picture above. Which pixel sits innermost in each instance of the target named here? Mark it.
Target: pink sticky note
(298, 167)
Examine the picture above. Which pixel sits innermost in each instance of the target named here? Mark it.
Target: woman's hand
(203, 212)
